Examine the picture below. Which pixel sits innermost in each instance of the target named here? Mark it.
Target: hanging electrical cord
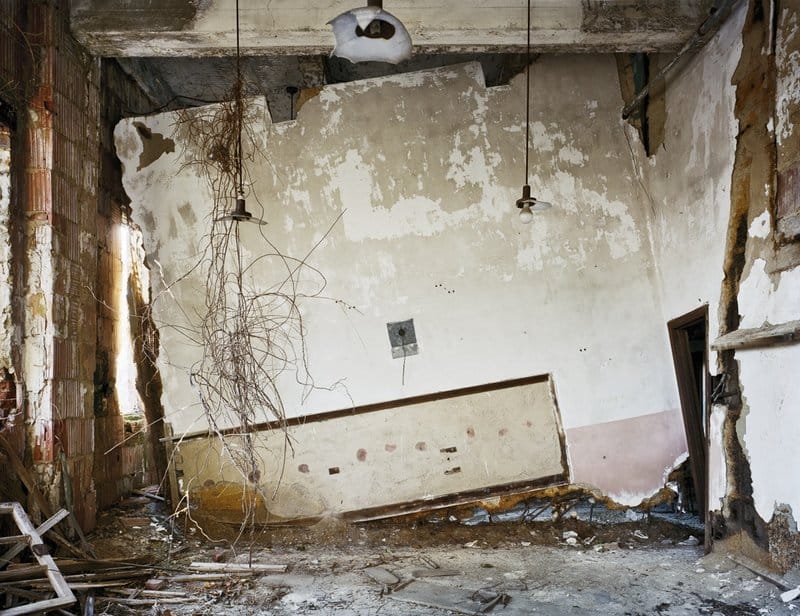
(239, 212)
(527, 204)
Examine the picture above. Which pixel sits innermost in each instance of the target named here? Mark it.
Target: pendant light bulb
(525, 215)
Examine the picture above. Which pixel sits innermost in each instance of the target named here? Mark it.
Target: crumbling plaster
(430, 449)
(430, 231)
(6, 324)
(690, 179)
(769, 294)
(689, 183)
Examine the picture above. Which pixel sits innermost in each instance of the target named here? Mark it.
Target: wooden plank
(63, 591)
(38, 607)
(768, 335)
(172, 474)
(41, 529)
(30, 484)
(30, 572)
(133, 602)
(14, 539)
(758, 569)
(154, 497)
(238, 568)
(205, 577)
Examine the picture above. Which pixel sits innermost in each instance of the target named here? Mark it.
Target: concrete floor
(554, 581)
(630, 569)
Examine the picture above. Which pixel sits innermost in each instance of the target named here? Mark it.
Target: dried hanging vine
(250, 333)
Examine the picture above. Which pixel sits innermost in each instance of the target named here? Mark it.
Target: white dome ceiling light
(370, 34)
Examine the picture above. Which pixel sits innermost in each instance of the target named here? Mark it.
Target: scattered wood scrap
(64, 595)
(792, 590)
(423, 573)
(24, 475)
(453, 599)
(150, 495)
(238, 568)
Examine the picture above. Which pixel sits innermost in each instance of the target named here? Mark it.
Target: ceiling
(181, 51)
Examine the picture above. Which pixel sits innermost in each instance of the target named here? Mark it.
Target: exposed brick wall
(124, 467)
(69, 199)
(63, 206)
(13, 56)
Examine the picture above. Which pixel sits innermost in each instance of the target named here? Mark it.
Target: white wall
(689, 179)
(429, 449)
(426, 168)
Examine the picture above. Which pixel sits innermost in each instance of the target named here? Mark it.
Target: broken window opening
(8, 386)
(636, 72)
(130, 402)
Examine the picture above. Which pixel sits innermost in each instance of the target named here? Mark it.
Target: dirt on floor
(625, 563)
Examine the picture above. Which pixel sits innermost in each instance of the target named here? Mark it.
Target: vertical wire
(238, 103)
(527, 93)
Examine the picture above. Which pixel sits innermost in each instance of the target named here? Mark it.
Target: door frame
(691, 405)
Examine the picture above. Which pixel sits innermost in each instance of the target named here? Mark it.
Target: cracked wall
(768, 426)
(429, 230)
(729, 136)
(689, 183)
(6, 319)
(53, 88)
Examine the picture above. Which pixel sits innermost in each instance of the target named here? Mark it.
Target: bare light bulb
(528, 205)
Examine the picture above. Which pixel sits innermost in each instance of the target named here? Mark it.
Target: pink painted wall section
(629, 459)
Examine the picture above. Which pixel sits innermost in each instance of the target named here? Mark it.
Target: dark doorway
(688, 337)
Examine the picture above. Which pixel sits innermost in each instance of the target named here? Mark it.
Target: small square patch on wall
(402, 338)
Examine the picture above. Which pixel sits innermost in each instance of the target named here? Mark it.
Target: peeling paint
(788, 86)
(769, 299)
(6, 325)
(445, 214)
(772, 428)
(761, 226)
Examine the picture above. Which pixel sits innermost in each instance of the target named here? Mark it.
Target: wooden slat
(30, 572)
(30, 484)
(13, 539)
(767, 335)
(41, 529)
(64, 594)
(237, 568)
(38, 607)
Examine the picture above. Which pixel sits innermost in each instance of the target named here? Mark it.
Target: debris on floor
(162, 565)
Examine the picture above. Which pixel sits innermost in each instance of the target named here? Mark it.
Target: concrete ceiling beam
(190, 28)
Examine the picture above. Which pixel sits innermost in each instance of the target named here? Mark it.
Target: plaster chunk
(768, 299)
(761, 225)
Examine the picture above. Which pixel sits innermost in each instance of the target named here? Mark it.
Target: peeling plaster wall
(428, 449)
(714, 133)
(689, 181)
(426, 168)
(770, 426)
(6, 324)
(689, 178)
(770, 294)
